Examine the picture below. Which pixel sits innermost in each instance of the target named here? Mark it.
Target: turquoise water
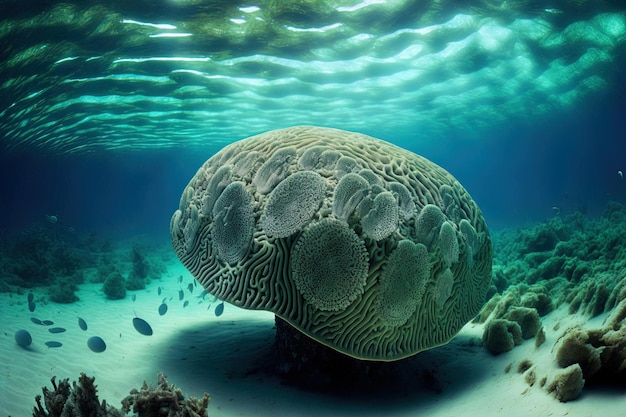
(131, 99)
(89, 77)
(108, 109)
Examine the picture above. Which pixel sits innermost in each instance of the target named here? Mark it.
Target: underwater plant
(133, 282)
(164, 399)
(141, 267)
(76, 399)
(138, 275)
(80, 399)
(63, 293)
(114, 286)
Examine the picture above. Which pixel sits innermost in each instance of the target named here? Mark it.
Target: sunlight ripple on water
(113, 80)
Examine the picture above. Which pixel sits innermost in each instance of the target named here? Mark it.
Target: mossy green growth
(501, 336)
(567, 383)
(63, 292)
(140, 265)
(568, 259)
(527, 318)
(114, 286)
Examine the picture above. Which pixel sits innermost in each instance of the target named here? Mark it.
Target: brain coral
(329, 264)
(372, 275)
(300, 196)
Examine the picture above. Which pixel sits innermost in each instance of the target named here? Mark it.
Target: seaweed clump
(76, 399)
(47, 255)
(114, 286)
(164, 400)
(80, 399)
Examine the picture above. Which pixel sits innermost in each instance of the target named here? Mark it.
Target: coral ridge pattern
(325, 228)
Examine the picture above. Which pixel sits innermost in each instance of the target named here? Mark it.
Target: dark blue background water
(515, 173)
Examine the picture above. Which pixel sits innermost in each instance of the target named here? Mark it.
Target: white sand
(222, 355)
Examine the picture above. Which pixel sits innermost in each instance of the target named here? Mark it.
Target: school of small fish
(95, 343)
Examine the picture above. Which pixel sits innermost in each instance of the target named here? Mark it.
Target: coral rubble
(80, 399)
(164, 400)
(573, 264)
(73, 400)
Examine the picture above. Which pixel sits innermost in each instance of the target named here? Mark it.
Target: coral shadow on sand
(236, 363)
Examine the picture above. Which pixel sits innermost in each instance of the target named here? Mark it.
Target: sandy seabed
(225, 356)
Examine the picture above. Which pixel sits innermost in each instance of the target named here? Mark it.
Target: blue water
(113, 195)
(516, 173)
(103, 122)
(108, 110)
